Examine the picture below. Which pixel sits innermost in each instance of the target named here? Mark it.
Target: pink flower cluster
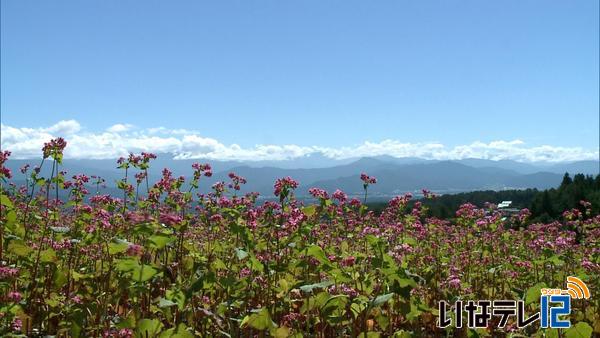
(284, 185)
(4, 171)
(367, 179)
(54, 148)
(236, 181)
(318, 193)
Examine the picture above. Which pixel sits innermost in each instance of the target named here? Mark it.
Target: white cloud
(65, 127)
(120, 139)
(119, 128)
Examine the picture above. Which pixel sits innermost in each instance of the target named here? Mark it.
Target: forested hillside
(545, 205)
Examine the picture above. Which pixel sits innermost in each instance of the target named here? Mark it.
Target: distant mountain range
(394, 175)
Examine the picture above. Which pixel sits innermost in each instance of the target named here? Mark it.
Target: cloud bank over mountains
(120, 139)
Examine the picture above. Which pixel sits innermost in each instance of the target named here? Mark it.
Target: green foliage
(579, 330)
(260, 320)
(534, 293)
(173, 263)
(147, 328)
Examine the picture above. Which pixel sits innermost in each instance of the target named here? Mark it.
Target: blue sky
(307, 73)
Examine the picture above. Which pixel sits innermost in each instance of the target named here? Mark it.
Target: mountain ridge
(395, 175)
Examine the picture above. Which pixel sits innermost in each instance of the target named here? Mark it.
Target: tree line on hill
(544, 205)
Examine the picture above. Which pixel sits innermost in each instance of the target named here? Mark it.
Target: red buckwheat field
(161, 260)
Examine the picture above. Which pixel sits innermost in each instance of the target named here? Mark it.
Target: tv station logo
(554, 304)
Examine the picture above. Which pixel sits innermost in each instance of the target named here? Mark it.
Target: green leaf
(260, 321)
(404, 282)
(77, 322)
(60, 279)
(381, 299)
(556, 260)
(414, 312)
(117, 246)
(60, 230)
(195, 287)
(77, 276)
(579, 330)
(179, 332)
(54, 300)
(19, 249)
(160, 241)
(551, 333)
(280, 332)
(370, 334)
(126, 265)
(410, 241)
(126, 323)
(11, 224)
(163, 302)
(473, 334)
(139, 272)
(144, 273)
(48, 256)
(309, 288)
(218, 264)
(241, 254)
(255, 264)
(533, 293)
(148, 328)
(11, 217)
(309, 210)
(403, 334)
(383, 321)
(176, 296)
(318, 253)
(4, 200)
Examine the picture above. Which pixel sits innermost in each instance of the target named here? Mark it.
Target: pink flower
(14, 296)
(524, 264)
(318, 193)
(340, 196)
(125, 333)
(348, 261)
(237, 181)
(218, 187)
(54, 148)
(139, 177)
(367, 179)
(453, 282)
(17, 324)
(400, 201)
(283, 186)
(24, 168)
(148, 156)
(292, 318)
(588, 265)
(113, 333)
(7, 272)
(216, 218)
(134, 250)
(245, 272)
(201, 170)
(170, 219)
(343, 289)
(355, 202)
(4, 171)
